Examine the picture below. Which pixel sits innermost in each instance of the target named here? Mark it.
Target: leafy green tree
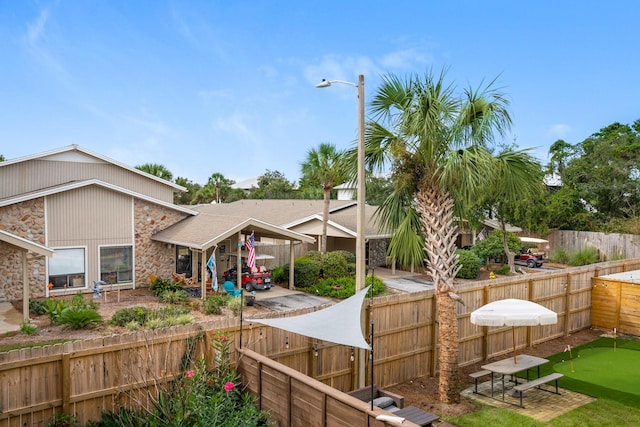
(186, 197)
(605, 172)
(436, 144)
(516, 176)
(156, 169)
(2, 158)
(560, 152)
(492, 247)
(323, 166)
(273, 185)
(377, 190)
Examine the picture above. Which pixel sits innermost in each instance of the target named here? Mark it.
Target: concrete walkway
(10, 318)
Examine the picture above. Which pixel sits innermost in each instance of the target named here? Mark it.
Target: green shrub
(54, 308)
(28, 328)
(469, 264)
(214, 304)
(124, 316)
(313, 255)
(37, 307)
(80, 318)
(158, 286)
(559, 255)
(584, 256)
(350, 257)
(343, 287)
(280, 274)
(334, 265)
(62, 420)
(503, 271)
(234, 304)
(179, 296)
(306, 272)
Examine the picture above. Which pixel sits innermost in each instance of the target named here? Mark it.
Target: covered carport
(25, 246)
(204, 233)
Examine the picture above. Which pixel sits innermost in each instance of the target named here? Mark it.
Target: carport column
(291, 266)
(25, 288)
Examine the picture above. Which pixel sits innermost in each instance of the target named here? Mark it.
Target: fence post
(567, 306)
(66, 383)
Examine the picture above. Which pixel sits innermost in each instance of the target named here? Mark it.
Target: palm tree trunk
(511, 257)
(436, 215)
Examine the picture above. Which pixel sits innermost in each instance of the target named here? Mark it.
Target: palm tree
(516, 176)
(156, 169)
(435, 144)
(324, 166)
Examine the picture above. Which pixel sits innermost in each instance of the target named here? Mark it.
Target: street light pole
(360, 199)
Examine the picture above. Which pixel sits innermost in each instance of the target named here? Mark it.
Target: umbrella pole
(513, 337)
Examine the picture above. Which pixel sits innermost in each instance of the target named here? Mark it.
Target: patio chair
(230, 288)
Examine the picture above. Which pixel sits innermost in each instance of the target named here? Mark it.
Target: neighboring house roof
(70, 153)
(281, 219)
(280, 212)
(495, 224)
(25, 244)
(206, 230)
(78, 184)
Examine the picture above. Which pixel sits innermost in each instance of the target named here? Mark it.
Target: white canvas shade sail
(513, 312)
(339, 323)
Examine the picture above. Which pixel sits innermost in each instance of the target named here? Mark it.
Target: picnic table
(523, 362)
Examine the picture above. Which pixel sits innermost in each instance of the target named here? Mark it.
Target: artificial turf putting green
(599, 371)
(604, 367)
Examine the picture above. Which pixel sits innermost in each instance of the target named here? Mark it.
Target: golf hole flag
(212, 267)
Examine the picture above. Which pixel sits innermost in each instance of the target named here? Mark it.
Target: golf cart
(257, 277)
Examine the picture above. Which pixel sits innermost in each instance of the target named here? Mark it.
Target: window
(67, 268)
(116, 264)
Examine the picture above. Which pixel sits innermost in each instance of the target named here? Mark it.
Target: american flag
(251, 247)
(482, 235)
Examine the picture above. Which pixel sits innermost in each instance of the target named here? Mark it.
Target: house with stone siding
(96, 215)
(71, 217)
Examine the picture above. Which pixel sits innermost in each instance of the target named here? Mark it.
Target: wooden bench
(476, 375)
(364, 394)
(520, 388)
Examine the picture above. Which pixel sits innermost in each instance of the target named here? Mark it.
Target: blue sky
(228, 86)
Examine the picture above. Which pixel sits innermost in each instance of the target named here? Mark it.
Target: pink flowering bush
(200, 397)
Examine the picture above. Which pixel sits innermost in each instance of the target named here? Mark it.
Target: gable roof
(75, 152)
(79, 184)
(206, 230)
(25, 244)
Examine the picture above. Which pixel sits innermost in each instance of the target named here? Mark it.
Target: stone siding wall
(153, 257)
(27, 220)
(378, 252)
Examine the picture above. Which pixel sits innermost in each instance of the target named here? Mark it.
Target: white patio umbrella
(513, 312)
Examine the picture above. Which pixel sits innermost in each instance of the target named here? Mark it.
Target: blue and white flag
(212, 267)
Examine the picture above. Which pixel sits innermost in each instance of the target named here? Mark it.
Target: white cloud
(559, 130)
(35, 30)
(405, 59)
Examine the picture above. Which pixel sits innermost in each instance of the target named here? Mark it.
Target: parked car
(256, 278)
(530, 258)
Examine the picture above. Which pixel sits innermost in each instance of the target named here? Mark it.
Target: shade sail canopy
(513, 312)
(339, 323)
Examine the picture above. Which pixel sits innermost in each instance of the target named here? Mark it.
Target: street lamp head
(323, 83)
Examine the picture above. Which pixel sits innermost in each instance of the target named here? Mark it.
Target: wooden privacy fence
(295, 399)
(85, 378)
(616, 304)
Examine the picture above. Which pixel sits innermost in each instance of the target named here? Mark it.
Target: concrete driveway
(10, 318)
